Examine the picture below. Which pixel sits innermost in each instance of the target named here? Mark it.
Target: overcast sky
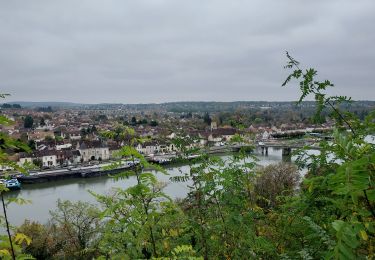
(140, 51)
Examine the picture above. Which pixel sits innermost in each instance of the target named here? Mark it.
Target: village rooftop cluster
(60, 137)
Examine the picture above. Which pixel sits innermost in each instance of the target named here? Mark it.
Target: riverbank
(106, 169)
(44, 195)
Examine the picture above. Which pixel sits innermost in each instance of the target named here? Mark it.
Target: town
(69, 136)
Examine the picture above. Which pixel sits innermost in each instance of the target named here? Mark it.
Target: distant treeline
(44, 109)
(276, 114)
(196, 107)
(210, 107)
(6, 105)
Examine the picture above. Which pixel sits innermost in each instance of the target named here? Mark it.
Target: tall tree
(42, 122)
(136, 214)
(207, 118)
(28, 121)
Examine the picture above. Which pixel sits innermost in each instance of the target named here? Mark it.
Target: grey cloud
(163, 50)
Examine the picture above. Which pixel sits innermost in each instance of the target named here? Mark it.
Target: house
(12, 158)
(222, 134)
(166, 148)
(63, 146)
(47, 158)
(25, 160)
(213, 125)
(227, 133)
(40, 135)
(68, 157)
(252, 129)
(93, 150)
(265, 135)
(45, 145)
(60, 131)
(75, 135)
(147, 148)
(47, 127)
(172, 135)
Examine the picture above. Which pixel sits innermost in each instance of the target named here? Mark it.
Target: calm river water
(45, 195)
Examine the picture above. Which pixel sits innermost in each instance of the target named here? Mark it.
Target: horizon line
(168, 102)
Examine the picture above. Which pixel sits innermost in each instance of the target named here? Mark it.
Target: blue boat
(13, 184)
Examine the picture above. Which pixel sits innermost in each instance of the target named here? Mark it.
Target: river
(43, 196)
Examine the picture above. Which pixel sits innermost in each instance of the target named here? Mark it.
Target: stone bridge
(287, 146)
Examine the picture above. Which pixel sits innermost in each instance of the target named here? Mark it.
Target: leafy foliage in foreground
(338, 194)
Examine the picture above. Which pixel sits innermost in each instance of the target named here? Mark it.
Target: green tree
(133, 121)
(94, 129)
(10, 245)
(38, 163)
(258, 121)
(31, 144)
(49, 138)
(154, 123)
(73, 232)
(121, 134)
(5, 105)
(207, 118)
(221, 210)
(78, 225)
(273, 181)
(43, 246)
(58, 138)
(42, 122)
(139, 217)
(83, 132)
(28, 121)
